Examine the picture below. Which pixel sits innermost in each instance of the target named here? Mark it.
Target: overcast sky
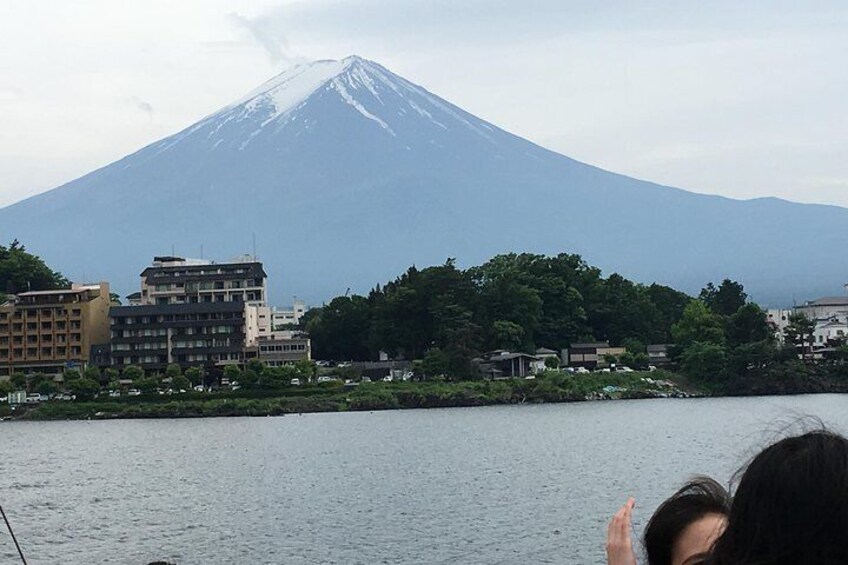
(743, 99)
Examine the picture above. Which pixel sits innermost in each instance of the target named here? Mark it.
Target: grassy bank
(550, 387)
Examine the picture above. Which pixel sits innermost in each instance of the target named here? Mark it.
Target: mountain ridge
(368, 173)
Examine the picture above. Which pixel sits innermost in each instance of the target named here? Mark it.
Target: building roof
(597, 344)
(76, 289)
(509, 356)
(546, 351)
(134, 295)
(254, 268)
(828, 301)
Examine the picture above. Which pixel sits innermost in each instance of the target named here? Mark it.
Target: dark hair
(696, 499)
(791, 505)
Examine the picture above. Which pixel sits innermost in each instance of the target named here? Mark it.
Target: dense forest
(516, 301)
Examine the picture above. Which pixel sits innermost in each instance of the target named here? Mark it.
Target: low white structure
(288, 316)
(828, 332)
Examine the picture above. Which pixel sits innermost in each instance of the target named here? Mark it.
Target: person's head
(685, 526)
(791, 505)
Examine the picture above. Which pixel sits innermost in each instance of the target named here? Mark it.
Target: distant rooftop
(75, 289)
(828, 301)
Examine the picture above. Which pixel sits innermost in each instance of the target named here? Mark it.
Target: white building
(828, 331)
(287, 317)
(825, 308)
(778, 319)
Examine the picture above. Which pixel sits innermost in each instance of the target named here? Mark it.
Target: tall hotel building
(192, 312)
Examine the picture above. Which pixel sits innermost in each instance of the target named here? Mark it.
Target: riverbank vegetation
(551, 386)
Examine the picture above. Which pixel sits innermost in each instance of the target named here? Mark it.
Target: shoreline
(366, 397)
(546, 389)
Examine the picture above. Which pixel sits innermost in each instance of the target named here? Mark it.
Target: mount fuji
(346, 174)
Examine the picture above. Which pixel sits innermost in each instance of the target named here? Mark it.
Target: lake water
(497, 485)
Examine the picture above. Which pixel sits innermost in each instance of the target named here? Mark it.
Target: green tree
(180, 383)
(84, 388)
(70, 375)
(436, 363)
(133, 373)
(724, 300)
(552, 362)
(232, 373)
(704, 361)
(340, 330)
(19, 381)
(747, 325)
(799, 332)
(21, 271)
(508, 335)
(6, 387)
(306, 370)
(698, 325)
(146, 385)
(173, 371)
(93, 373)
(47, 387)
(194, 375)
(110, 375)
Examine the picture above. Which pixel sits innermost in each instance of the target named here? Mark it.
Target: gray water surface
(496, 485)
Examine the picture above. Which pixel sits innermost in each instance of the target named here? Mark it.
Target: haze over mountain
(347, 174)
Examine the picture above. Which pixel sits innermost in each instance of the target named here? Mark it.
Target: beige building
(592, 355)
(51, 330)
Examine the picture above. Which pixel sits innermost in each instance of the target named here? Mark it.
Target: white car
(296, 382)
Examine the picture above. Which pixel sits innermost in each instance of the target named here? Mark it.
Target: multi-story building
(192, 312)
(155, 336)
(51, 330)
(175, 280)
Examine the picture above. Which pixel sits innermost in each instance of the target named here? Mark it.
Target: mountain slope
(347, 174)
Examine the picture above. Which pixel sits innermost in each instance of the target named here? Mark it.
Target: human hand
(619, 540)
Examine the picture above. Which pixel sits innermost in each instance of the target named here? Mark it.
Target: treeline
(516, 302)
(725, 344)
(21, 271)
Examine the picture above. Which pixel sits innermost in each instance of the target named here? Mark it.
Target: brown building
(592, 355)
(51, 330)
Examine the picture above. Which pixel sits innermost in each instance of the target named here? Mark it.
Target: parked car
(581, 370)
(365, 380)
(133, 392)
(326, 379)
(623, 369)
(295, 382)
